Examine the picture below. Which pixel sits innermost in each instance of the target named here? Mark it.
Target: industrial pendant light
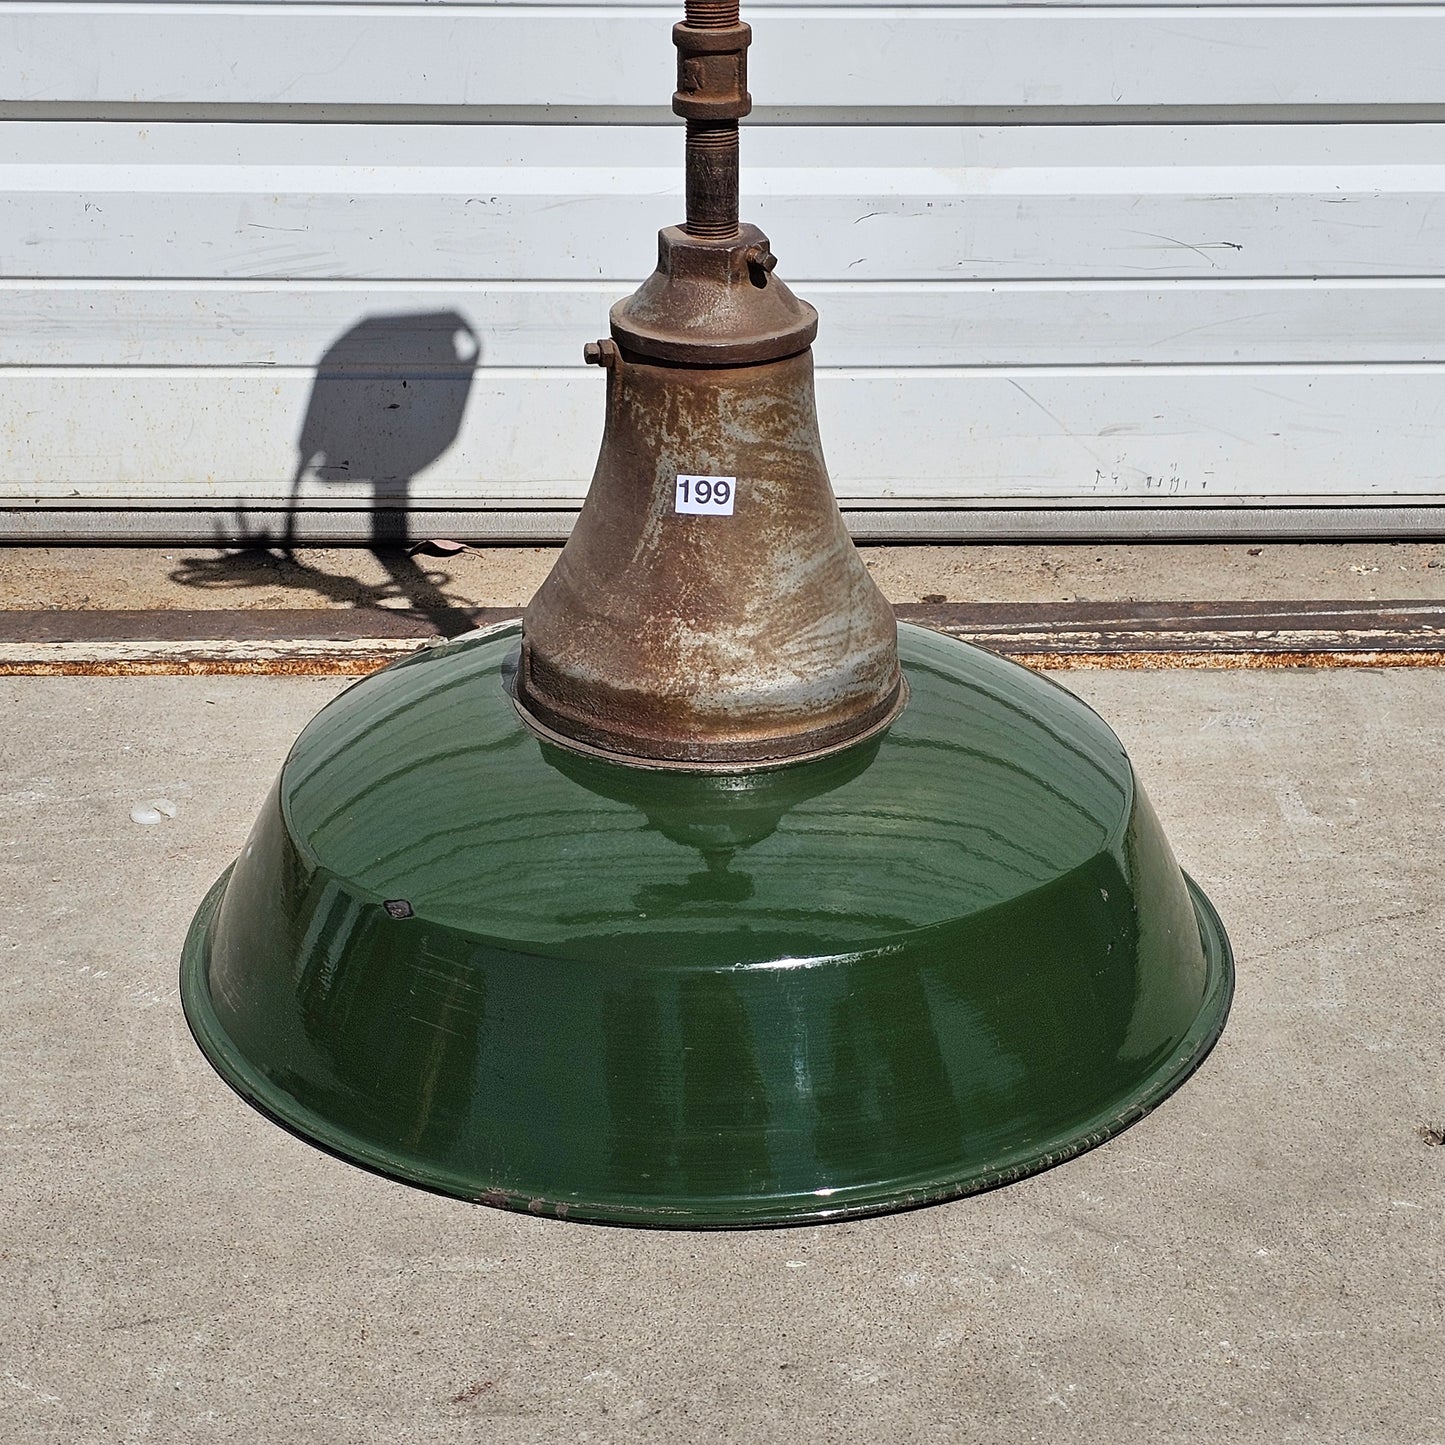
(706, 895)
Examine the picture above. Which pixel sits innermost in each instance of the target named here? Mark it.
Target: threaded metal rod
(712, 95)
(712, 178)
(711, 14)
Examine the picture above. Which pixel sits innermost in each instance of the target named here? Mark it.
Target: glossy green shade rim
(882, 1196)
(922, 967)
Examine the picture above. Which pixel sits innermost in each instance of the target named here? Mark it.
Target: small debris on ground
(472, 1392)
(1431, 1135)
(933, 597)
(152, 811)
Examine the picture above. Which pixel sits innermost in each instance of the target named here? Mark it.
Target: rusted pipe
(712, 96)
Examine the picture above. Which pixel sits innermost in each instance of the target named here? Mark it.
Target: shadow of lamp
(387, 401)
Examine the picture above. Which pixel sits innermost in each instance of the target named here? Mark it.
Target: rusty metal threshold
(327, 642)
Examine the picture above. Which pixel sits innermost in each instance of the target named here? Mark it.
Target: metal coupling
(712, 69)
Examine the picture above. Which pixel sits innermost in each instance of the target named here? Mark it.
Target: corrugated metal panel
(842, 55)
(941, 435)
(1067, 256)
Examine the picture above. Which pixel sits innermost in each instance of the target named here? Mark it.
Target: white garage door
(1083, 270)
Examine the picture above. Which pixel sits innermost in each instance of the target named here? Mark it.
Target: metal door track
(327, 642)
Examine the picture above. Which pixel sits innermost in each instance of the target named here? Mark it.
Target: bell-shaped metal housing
(677, 629)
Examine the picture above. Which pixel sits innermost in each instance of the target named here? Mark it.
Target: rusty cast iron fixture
(710, 608)
(718, 931)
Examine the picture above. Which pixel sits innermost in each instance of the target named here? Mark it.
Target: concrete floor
(1262, 1259)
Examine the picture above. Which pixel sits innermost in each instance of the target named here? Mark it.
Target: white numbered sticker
(707, 496)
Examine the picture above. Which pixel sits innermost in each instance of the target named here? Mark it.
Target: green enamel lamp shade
(923, 966)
